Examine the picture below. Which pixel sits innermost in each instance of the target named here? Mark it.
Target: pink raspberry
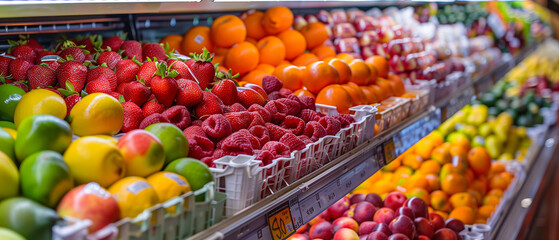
(197, 123)
(305, 139)
(256, 119)
(194, 130)
(309, 115)
(265, 156)
(307, 103)
(293, 142)
(314, 130)
(178, 115)
(254, 141)
(278, 149)
(293, 107)
(276, 132)
(238, 120)
(271, 83)
(199, 146)
(274, 96)
(237, 107)
(219, 153)
(209, 161)
(217, 126)
(277, 109)
(284, 92)
(295, 98)
(151, 119)
(331, 125)
(236, 144)
(265, 114)
(261, 133)
(345, 119)
(295, 124)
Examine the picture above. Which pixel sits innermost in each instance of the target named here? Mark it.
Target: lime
(9, 177)
(28, 218)
(7, 143)
(97, 113)
(7, 124)
(42, 132)
(196, 172)
(173, 140)
(39, 101)
(9, 98)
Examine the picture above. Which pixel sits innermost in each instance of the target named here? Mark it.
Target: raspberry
(271, 83)
(307, 103)
(178, 115)
(345, 119)
(331, 125)
(254, 141)
(256, 119)
(197, 123)
(294, 98)
(219, 153)
(293, 142)
(217, 126)
(309, 115)
(284, 92)
(276, 132)
(265, 156)
(278, 149)
(295, 124)
(236, 144)
(208, 161)
(277, 109)
(293, 107)
(305, 139)
(238, 120)
(237, 107)
(194, 130)
(261, 133)
(199, 146)
(265, 114)
(151, 119)
(314, 130)
(274, 95)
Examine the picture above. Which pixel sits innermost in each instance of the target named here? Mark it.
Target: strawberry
(51, 60)
(18, 69)
(226, 90)
(41, 54)
(133, 116)
(76, 53)
(179, 66)
(91, 43)
(189, 93)
(132, 50)
(247, 97)
(23, 51)
(113, 42)
(126, 70)
(111, 58)
(121, 87)
(164, 86)
(152, 107)
(70, 102)
(71, 72)
(136, 92)
(146, 71)
(54, 91)
(115, 95)
(4, 64)
(99, 85)
(211, 104)
(41, 76)
(271, 83)
(154, 50)
(32, 42)
(257, 89)
(202, 68)
(22, 85)
(102, 72)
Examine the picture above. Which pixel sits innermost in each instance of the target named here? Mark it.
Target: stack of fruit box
(245, 181)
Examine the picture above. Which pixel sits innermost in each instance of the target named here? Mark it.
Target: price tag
(389, 150)
(281, 223)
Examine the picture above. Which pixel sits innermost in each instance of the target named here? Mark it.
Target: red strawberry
(189, 93)
(152, 119)
(41, 76)
(113, 42)
(110, 58)
(126, 71)
(136, 92)
(115, 95)
(271, 83)
(91, 43)
(152, 107)
(101, 85)
(226, 91)
(75, 52)
(121, 87)
(4, 64)
(180, 67)
(202, 68)
(164, 89)
(133, 117)
(73, 72)
(210, 105)
(18, 69)
(257, 89)
(154, 50)
(132, 50)
(32, 42)
(247, 97)
(51, 60)
(22, 85)
(25, 52)
(146, 72)
(102, 72)
(42, 54)
(70, 102)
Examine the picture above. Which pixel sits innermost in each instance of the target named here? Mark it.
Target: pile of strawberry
(218, 117)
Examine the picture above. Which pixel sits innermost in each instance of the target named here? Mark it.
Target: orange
(436, 137)
(424, 148)
(318, 75)
(463, 199)
(477, 195)
(470, 176)
(430, 167)
(413, 161)
(491, 200)
(357, 96)
(485, 212)
(397, 85)
(496, 168)
(439, 200)
(323, 52)
(383, 186)
(446, 145)
(480, 185)
(386, 87)
(315, 34)
(295, 43)
(253, 23)
(277, 19)
(272, 50)
(417, 181)
(251, 40)
(228, 30)
(335, 95)
(441, 155)
(465, 214)
(346, 57)
(304, 92)
(381, 64)
(403, 170)
(196, 39)
(434, 182)
(449, 168)
(500, 181)
(221, 68)
(378, 92)
(174, 42)
(418, 192)
(343, 69)
(459, 150)
(496, 192)
(369, 94)
(218, 59)
(255, 76)
(242, 58)
(464, 144)
(392, 166)
(454, 183)
(305, 59)
(267, 68)
(219, 51)
(479, 160)
(290, 75)
(360, 72)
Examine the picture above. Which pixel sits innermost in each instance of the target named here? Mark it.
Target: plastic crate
(420, 102)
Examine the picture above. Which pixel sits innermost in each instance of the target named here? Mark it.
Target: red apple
(367, 227)
(418, 206)
(380, 49)
(406, 211)
(398, 236)
(377, 236)
(375, 200)
(385, 34)
(338, 208)
(445, 234)
(338, 16)
(142, 152)
(383, 227)
(436, 221)
(303, 229)
(410, 62)
(346, 234)
(345, 222)
(456, 225)
(394, 200)
(367, 52)
(322, 230)
(298, 236)
(423, 237)
(384, 215)
(423, 227)
(396, 64)
(299, 22)
(357, 198)
(404, 225)
(90, 201)
(324, 17)
(364, 211)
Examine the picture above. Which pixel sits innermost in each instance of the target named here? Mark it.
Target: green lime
(28, 218)
(9, 98)
(42, 132)
(7, 143)
(173, 140)
(196, 172)
(7, 124)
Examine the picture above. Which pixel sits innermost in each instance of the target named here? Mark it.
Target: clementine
(463, 199)
(465, 214)
(174, 42)
(439, 200)
(255, 76)
(381, 64)
(315, 34)
(277, 19)
(485, 212)
(369, 94)
(196, 39)
(360, 72)
(441, 155)
(496, 192)
(346, 57)
(413, 161)
(491, 200)
(267, 68)
(454, 183)
(272, 50)
(335, 95)
(295, 43)
(434, 182)
(357, 96)
(253, 23)
(318, 75)
(304, 92)
(479, 160)
(430, 167)
(228, 30)
(305, 59)
(290, 75)
(343, 69)
(242, 58)
(323, 52)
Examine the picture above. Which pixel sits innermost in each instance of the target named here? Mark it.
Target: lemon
(133, 195)
(94, 159)
(39, 101)
(9, 177)
(168, 185)
(97, 113)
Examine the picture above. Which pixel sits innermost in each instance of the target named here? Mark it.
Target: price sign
(281, 223)
(389, 153)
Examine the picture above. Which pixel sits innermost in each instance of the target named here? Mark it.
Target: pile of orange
(457, 181)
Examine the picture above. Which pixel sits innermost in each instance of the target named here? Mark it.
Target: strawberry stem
(205, 56)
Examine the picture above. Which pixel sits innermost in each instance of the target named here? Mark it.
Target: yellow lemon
(94, 159)
(168, 185)
(11, 132)
(39, 101)
(97, 113)
(133, 195)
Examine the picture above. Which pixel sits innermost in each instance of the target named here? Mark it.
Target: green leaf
(141, 80)
(70, 58)
(122, 35)
(68, 119)
(136, 61)
(104, 65)
(83, 93)
(69, 86)
(173, 74)
(121, 99)
(65, 92)
(85, 51)
(44, 64)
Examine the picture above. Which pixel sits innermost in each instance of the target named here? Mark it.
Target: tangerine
(267, 68)
(277, 19)
(465, 214)
(360, 72)
(290, 75)
(420, 193)
(378, 92)
(323, 52)
(343, 69)
(439, 200)
(499, 181)
(380, 64)
(430, 167)
(479, 184)
(272, 50)
(346, 57)
(491, 200)
(315, 34)
(496, 192)
(253, 23)
(386, 87)
(441, 155)
(174, 42)
(454, 183)
(434, 182)
(335, 95)
(370, 95)
(196, 39)
(424, 148)
(318, 75)
(397, 85)
(305, 59)
(295, 43)
(485, 212)
(304, 92)
(242, 58)
(463, 199)
(255, 76)
(227, 31)
(479, 160)
(413, 161)
(357, 96)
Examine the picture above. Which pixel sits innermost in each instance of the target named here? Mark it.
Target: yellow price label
(389, 151)
(281, 224)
